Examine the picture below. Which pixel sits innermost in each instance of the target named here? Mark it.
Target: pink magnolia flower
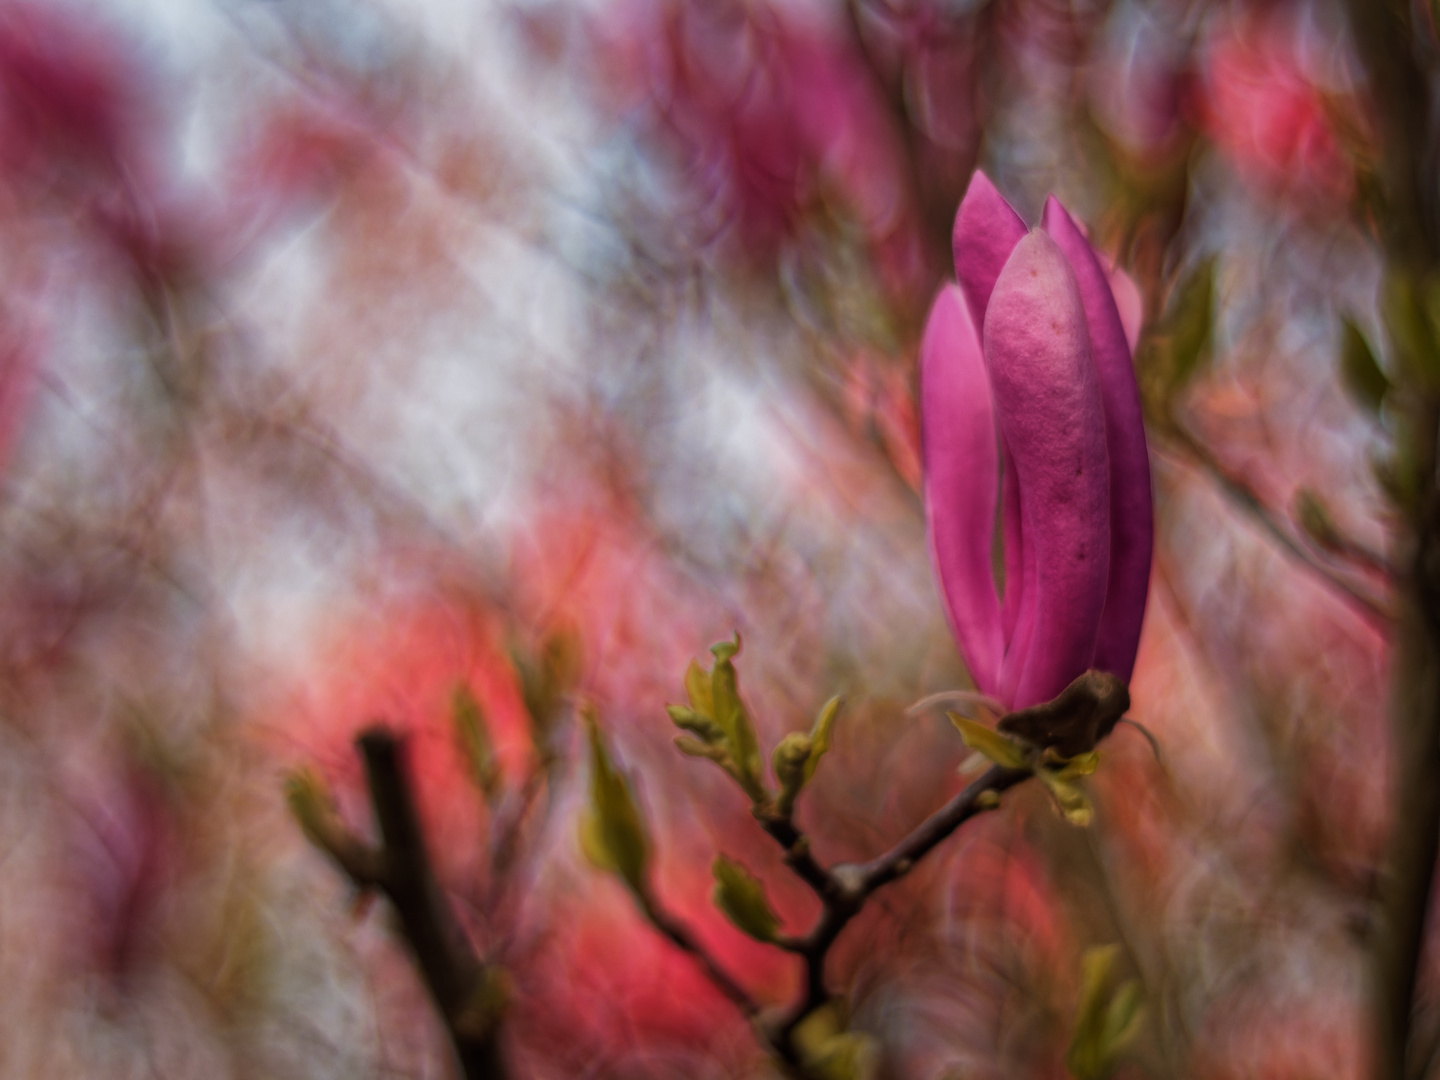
(1027, 385)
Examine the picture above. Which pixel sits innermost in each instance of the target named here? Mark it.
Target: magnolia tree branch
(679, 935)
(1410, 221)
(468, 995)
(1053, 740)
(844, 890)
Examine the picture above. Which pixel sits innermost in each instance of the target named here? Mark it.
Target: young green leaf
(547, 675)
(741, 896)
(1124, 1017)
(612, 833)
(697, 686)
(1188, 324)
(693, 747)
(830, 1051)
(734, 719)
(690, 720)
(820, 735)
(1074, 804)
(991, 744)
(1080, 765)
(1361, 372)
(1412, 337)
(311, 804)
(851, 1055)
(473, 734)
(1105, 1021)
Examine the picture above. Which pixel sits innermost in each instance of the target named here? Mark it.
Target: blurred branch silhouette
(469, 995)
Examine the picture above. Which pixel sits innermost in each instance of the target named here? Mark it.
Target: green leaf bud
(476, 746)
(741, 896)
(790, 761)
(820, 735)
(1004, 752)
(612, 833)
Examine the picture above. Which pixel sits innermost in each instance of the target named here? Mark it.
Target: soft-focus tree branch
(1186, 449)
(679, 935)
(844, 890)
(1410, 230)
(468, 994)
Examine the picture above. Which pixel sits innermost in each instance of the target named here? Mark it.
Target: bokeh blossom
(771, 118)
(1274, 111)
(1027, 383)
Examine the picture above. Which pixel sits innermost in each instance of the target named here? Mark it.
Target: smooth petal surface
(1016, 567)
(986, 232)
(1051, 418)
(1129, 302)
(962, 468)
(1131, 510)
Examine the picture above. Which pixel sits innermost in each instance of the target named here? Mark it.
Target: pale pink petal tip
(986, 231)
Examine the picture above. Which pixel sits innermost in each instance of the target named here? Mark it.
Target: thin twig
(1190, 449)
(937, 827)
(969, 698)
(679, 934)
(844, 890)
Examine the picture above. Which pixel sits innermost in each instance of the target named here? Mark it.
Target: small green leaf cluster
(719, 727)
(1056, 773)
(719, 724)
(1108, 1017)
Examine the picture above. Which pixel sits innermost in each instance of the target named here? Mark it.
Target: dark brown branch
(844, 890)
(401, 869)
(797, 850)
(936, 828)
(1401, 98)
(679, 935)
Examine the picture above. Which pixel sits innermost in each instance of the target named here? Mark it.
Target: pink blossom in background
(770, 113)
(1267, 109)
(1143, 91)
(73, 104)
(1049, 391)
(124, 848)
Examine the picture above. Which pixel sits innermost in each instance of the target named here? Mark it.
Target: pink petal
(986, 232)
(1131, 512)
(1052, 419)
(961, 480)
(1016, 571)
(1129, 302)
